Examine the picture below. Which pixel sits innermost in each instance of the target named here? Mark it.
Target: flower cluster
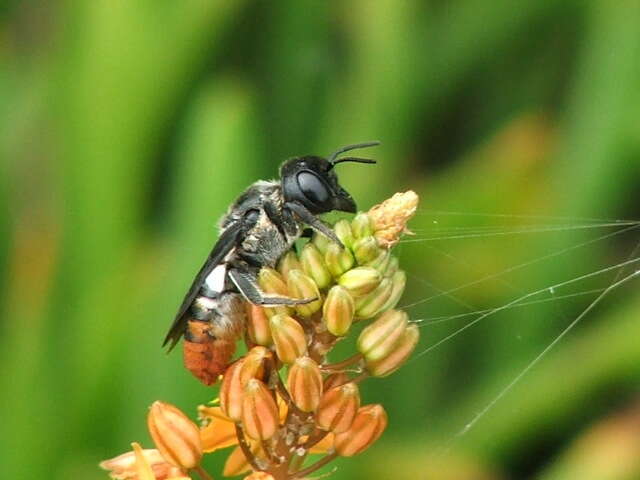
(284, 399)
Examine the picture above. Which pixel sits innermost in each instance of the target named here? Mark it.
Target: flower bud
(367, 427)
(361, 225)
(398, 280)
(335, 380)
(259, 476)
(321, 242)
(314, 266)
(381, 262)
(365, 249)
(259, 411)
(338, 310)
(389, 219)
(338, 408)
(378, 340)
(133, 465)
(344, 232)
(289, 261)
(303, 287)
(369, 305)
(398, 356)
(392, 266)
(360, 280)
(288, 337)
(177, 437)
(258, 325)
(271, 282)
(231, 391)
(305, 384)
(256, 364)
(338, 259)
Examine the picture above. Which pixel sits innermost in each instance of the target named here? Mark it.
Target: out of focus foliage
(127, 127)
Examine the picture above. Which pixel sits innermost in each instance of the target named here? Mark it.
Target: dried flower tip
(231, 391)
(258, 325)
(379, 339)
(302, 287)
(255, 364)
(398, 280)
(367, 427)
(361, 225)
(344, 232)
(289, 261)
(398, 356)
(218, 434)
(338, 311)
(389, 219)
(366, 249)
(177, 437)
(259, 476)
(127, 465)
(338, 259)
(335, 380)
(259, 411)
(313, 265)
(321, 242)
(288, 337)
(360, 280)
(305, 384)
(369, 305)
(338, 408)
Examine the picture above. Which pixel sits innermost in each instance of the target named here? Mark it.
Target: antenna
(333, 161)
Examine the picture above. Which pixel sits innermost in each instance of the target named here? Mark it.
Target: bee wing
(223, 246)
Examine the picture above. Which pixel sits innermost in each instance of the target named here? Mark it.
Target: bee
(257, 230)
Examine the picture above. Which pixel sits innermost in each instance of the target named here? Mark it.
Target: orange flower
(139, 464)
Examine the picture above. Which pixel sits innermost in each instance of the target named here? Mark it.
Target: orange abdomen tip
(207, 361)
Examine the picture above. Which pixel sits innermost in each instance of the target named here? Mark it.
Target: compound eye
(313, 188)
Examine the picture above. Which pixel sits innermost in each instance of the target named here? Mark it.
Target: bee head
(313, 182)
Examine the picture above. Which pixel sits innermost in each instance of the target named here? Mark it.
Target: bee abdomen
(207, 361)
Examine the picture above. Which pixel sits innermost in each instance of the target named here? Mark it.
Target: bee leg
(247, 285)
(314, 222)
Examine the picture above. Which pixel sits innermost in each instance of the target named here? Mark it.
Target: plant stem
(316, 466)
(332, 367)
(242, 441)
(202, 472)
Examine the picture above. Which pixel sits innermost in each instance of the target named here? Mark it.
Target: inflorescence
(284, 399)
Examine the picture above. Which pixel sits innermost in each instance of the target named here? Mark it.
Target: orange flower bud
(255, 364)
(369, 305)
(338, 310)
(397, 356)
(288, 337)
(367, 427)
(366, 249)
(323, 446)
(338, 259)
(231, 392)
(258, 325)
(338, 408)
(360, 280)
(361, 225)
(289, 261)
(259, 476)
(335, 380)
(313, 265)
(259, 411)
(302, 286)
(177, 437)
(344, 232)
(305, 384)
(378, 340)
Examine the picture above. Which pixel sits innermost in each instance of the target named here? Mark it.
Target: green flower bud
(314, 266)
(397, 356)
(342, 228)
(399, 280)
(289, 261)
(381, 261)
(302, 286)
(321, 242)
(378, 340)
(361, 225)
(360, 280)
(338, 259)
(271, 281)
(366, 249)
(369, 305)
(338, 310)
(392, 266)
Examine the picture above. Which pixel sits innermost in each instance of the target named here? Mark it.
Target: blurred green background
(127, 127)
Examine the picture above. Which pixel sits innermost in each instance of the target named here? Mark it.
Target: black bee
(259, 227)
